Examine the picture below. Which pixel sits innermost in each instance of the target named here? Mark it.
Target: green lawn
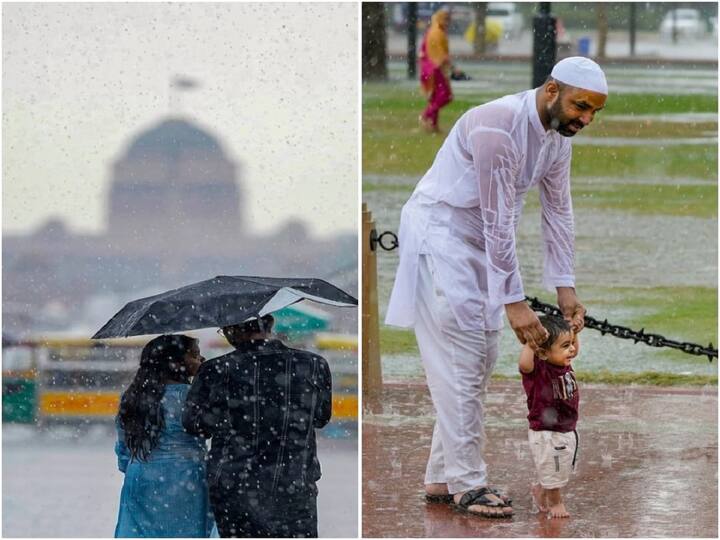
(696, 161)
(392, 144)
(599, 193)
(678, 313)
(379, 97)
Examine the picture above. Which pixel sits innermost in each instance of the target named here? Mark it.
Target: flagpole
(178, 85)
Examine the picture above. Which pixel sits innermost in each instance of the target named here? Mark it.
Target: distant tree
(480, 14)
(374, 41)
(602, 28)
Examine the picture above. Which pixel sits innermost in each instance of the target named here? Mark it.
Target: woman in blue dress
(165, 491)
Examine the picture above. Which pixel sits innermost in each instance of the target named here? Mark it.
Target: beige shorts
(554, 455)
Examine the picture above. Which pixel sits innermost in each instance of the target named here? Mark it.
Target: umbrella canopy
(217, 302)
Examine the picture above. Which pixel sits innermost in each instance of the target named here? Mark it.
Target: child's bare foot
(538, 497)
(556, 507)
(558, 511)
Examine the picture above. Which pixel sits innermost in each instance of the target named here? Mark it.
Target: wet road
(64, 483)
(647, 465)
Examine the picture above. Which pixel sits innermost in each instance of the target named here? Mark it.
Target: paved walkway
(647, 465)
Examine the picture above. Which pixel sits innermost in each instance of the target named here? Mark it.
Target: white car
(506, 14)
(686, 22)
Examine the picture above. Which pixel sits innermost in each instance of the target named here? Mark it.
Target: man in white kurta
(459, 271)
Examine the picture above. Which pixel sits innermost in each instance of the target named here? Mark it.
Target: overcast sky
(278, 87)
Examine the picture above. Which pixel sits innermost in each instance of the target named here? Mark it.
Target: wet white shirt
(465, 211)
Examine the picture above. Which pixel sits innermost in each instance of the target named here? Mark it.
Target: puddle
(679, 118)
(497, 78)
(636, 141)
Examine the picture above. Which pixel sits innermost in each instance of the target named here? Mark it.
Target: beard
(561, 123)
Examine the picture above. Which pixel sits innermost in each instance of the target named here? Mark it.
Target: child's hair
(556, 326)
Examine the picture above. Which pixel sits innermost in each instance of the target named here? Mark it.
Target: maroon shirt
(552, 397)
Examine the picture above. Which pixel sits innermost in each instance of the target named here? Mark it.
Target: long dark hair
(141, 415)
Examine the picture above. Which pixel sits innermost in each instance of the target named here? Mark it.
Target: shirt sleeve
(121, 450)
(557, 223)
(497, 164)
(323, 412)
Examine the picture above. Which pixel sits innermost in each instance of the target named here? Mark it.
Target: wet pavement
(499, 78)
(63, 482)
(647, 465)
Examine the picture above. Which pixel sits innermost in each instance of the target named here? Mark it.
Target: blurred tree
(479, 42)
(602, 28)
(374, 41)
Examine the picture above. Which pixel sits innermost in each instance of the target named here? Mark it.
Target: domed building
(174, 217)
(173, 182)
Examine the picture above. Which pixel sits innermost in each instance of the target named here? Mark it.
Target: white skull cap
(580, 72)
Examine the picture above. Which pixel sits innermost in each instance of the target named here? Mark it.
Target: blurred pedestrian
(435, 69)
(164, 493)
(261, 404)
(459, 270)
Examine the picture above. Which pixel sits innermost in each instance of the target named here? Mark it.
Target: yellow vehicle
(341, 352)
(50, 379)
(78, 378)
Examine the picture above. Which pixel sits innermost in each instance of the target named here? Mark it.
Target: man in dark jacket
(260, 404)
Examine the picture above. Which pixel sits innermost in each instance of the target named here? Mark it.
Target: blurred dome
(174, 182)
(170, 137)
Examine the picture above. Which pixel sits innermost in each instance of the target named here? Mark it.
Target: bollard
(412, 39)
(544, 44)
(371, 368)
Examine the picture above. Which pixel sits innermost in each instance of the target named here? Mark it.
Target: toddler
(552, 398)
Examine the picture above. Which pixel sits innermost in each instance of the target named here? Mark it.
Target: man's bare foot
(437, 493)
(538, 497)
(436, 489)
(487, 511)
(558, 511)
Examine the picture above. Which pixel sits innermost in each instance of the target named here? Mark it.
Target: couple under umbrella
(259, 405)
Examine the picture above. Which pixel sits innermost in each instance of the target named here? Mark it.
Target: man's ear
(552, 89)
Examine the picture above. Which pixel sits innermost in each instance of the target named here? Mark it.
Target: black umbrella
(218, 302)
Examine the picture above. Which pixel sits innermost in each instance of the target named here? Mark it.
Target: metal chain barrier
(622, 332)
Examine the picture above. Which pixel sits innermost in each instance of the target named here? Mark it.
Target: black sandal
(443, 498)
(446, 498)
(507, 500)
(480, 497)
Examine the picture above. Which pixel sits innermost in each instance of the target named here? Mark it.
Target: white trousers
(457, 365)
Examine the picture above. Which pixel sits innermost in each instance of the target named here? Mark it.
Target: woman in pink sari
(435, 69)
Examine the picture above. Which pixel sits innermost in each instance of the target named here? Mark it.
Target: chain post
(371, 366)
